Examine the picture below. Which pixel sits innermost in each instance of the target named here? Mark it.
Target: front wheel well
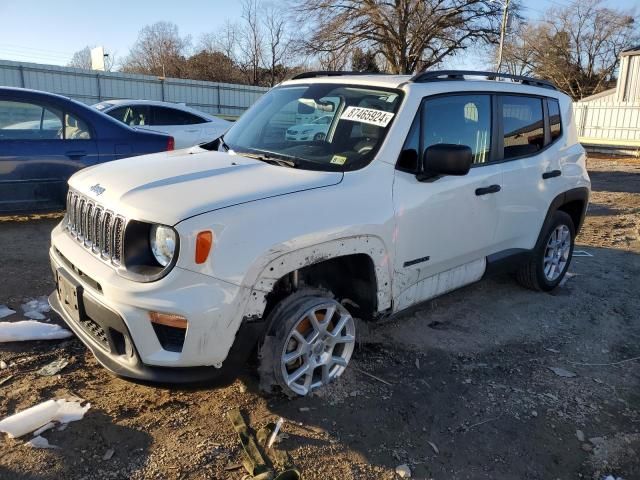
(350, 278)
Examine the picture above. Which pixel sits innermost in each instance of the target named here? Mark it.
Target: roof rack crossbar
(328, 73)
(441, 75)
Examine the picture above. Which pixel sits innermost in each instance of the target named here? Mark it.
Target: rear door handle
(551, 174)
(487, 190)
(76, 154)
(193, 130)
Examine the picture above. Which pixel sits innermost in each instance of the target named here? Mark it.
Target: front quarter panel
(257, 243)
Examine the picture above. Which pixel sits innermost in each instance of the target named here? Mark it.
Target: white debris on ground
(31, 330)
(403, 471)
(39, 442)
(561, 372)
(5, 311)
(60, 411)
(36, 308)
(52, 368)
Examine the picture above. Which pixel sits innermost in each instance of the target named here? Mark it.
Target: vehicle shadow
(79, 447)
(615, 181)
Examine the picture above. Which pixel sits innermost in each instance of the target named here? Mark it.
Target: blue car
(46, 138)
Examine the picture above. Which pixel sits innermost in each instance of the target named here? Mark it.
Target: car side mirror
(445, 159)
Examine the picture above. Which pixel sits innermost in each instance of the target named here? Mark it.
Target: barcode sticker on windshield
(371, 116)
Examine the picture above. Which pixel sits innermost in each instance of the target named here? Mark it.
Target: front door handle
(551, 174)
(487, 190)
(76, 154)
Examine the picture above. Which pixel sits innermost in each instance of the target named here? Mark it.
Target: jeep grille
(99, 230)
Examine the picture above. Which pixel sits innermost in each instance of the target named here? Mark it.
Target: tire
(317, 349)
(547, 267)
(318, 137)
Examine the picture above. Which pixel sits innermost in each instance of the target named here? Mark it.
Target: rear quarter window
(555, 121)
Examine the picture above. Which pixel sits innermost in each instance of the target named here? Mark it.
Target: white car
(186, 125)
(315, 130)
(180, 265)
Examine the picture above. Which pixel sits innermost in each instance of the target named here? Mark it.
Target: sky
(50, 31)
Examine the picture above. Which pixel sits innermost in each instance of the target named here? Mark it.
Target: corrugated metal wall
(90, 86)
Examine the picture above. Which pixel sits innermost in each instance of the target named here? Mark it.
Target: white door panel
(444, 220)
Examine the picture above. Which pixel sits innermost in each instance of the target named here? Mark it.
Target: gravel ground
(468, 389)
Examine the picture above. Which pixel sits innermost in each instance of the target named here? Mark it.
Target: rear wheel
(552, 256)
(312, 340)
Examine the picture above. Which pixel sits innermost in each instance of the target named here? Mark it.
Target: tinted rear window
(555, 123)
(523, 125)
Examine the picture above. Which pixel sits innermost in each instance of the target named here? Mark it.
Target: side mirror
(446, 159)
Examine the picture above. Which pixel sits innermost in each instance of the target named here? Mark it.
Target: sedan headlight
(163, 243)
(308, 130)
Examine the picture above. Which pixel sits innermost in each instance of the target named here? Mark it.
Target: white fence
(91, 86)
(608, 124)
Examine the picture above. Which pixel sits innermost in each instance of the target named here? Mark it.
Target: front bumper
(115, 325)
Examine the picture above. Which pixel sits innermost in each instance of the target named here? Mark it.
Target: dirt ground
(470, 393)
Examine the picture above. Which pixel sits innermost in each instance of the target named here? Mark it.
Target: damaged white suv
(179, 266)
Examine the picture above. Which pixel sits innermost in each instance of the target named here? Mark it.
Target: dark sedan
(46, 138)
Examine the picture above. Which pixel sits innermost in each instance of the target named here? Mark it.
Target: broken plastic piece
(5, 311)
(272, 439)
(62, 411)
(52, 368)
(39, 442)
(31, 330)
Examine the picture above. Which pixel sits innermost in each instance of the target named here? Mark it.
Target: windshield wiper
(269, 159)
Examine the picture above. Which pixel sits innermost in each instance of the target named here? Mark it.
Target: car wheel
(552, 255)
(312, 340)
(318, 137)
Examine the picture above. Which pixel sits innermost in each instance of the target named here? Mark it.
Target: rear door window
(523, 126)
(75, 128)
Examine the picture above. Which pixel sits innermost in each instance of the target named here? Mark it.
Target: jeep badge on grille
(97, 189)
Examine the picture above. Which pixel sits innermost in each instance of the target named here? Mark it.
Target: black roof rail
(329, 73)
(440, 75)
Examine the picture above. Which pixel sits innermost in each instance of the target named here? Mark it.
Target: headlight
(163, 243)
(306, 131)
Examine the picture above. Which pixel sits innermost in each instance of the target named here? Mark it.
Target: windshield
(326, 126)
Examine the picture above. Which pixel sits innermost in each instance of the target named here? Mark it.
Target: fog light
(170, 329)
(168, 319)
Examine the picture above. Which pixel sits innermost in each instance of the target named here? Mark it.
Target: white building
(610, 120)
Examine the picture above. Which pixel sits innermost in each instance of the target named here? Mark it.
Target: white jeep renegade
(178, 266)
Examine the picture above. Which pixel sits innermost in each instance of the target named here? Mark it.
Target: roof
(631, 51)
(402, 81)
(372, 80)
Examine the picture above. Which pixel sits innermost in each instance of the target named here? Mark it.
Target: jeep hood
(169, 187)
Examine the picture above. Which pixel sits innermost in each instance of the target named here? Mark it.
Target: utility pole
(503, 29)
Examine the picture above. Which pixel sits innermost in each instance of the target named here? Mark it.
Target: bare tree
(278, 41)
(82, 59)
(409, 34)
(159, 50)
(251, 44)
(577, 47)
(225, 40)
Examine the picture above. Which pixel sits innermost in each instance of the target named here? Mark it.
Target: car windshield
(326, 126)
